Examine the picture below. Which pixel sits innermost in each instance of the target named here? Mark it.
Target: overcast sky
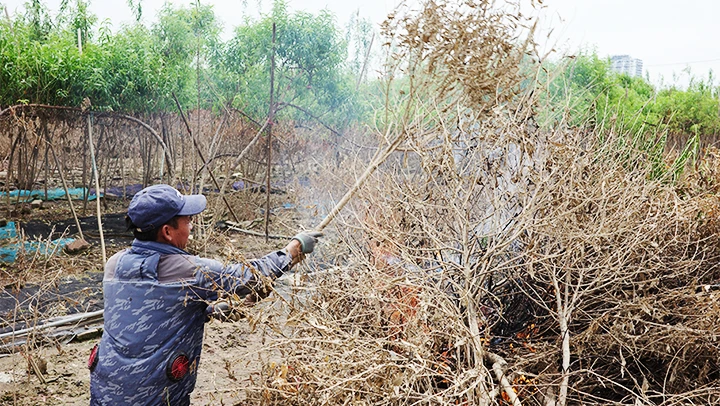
(668, 35)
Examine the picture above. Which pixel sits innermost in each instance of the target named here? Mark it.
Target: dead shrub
(504, 263)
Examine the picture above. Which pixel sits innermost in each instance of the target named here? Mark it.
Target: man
(156, 302)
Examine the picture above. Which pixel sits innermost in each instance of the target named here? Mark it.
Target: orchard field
(503, 227)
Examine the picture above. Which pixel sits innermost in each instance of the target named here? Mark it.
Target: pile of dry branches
(497, 262)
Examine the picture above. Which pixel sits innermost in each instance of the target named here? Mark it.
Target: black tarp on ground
(23, 306)
(114, 229)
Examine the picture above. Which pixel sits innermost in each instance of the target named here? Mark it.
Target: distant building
(627, 65)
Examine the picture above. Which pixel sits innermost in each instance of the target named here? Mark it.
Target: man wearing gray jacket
(157, 299)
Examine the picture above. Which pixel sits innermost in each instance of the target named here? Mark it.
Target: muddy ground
(36, 289)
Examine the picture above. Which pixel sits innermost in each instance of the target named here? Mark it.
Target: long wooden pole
(46, 163)
(271, 117)
(97, 187)
(365, 63)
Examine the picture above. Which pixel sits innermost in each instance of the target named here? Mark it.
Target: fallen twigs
(67, 326)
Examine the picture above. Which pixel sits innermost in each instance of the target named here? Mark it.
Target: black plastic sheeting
(31, 304)
(114, 229)
(24, 306)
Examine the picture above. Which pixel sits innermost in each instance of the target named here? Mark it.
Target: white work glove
(308, 239)
(224, 310)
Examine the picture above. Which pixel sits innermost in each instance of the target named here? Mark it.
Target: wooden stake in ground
(97, 187)
(271, 113)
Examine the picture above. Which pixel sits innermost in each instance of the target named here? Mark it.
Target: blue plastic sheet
(8, 231)
(77, 193)
(9, 253)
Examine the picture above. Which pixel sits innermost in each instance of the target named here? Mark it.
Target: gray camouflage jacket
(156, 298)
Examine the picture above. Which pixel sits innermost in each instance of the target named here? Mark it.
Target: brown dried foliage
(471, 47)
(557, 257)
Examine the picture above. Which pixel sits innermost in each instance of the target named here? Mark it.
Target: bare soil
(229, 362)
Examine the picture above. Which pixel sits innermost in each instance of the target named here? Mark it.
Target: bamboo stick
(97, 187)
(67, 191)
(271, 113)
(60, 322)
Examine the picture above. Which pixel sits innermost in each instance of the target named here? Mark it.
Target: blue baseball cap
(155, 205)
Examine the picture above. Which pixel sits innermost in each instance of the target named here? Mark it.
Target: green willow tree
(312, 80)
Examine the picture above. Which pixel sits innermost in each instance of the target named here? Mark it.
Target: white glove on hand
(224, 310)
(308, 239)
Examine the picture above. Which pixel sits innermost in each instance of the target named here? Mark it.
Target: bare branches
(495, 261)
(169, 160)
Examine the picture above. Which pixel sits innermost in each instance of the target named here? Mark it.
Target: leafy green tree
(578, 92)
(692, 111)
(38, 19)
(139, 81)
(76, 17)
(186, 38)
(311, 78)
(35, 69)
(585, 92)
(137, 69)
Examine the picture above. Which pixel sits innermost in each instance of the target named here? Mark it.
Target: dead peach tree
(407, 319)
(491, 260)
(556, 262)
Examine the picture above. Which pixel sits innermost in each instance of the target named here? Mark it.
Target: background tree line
(63, 59)
(318, 71)
(587, 92)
